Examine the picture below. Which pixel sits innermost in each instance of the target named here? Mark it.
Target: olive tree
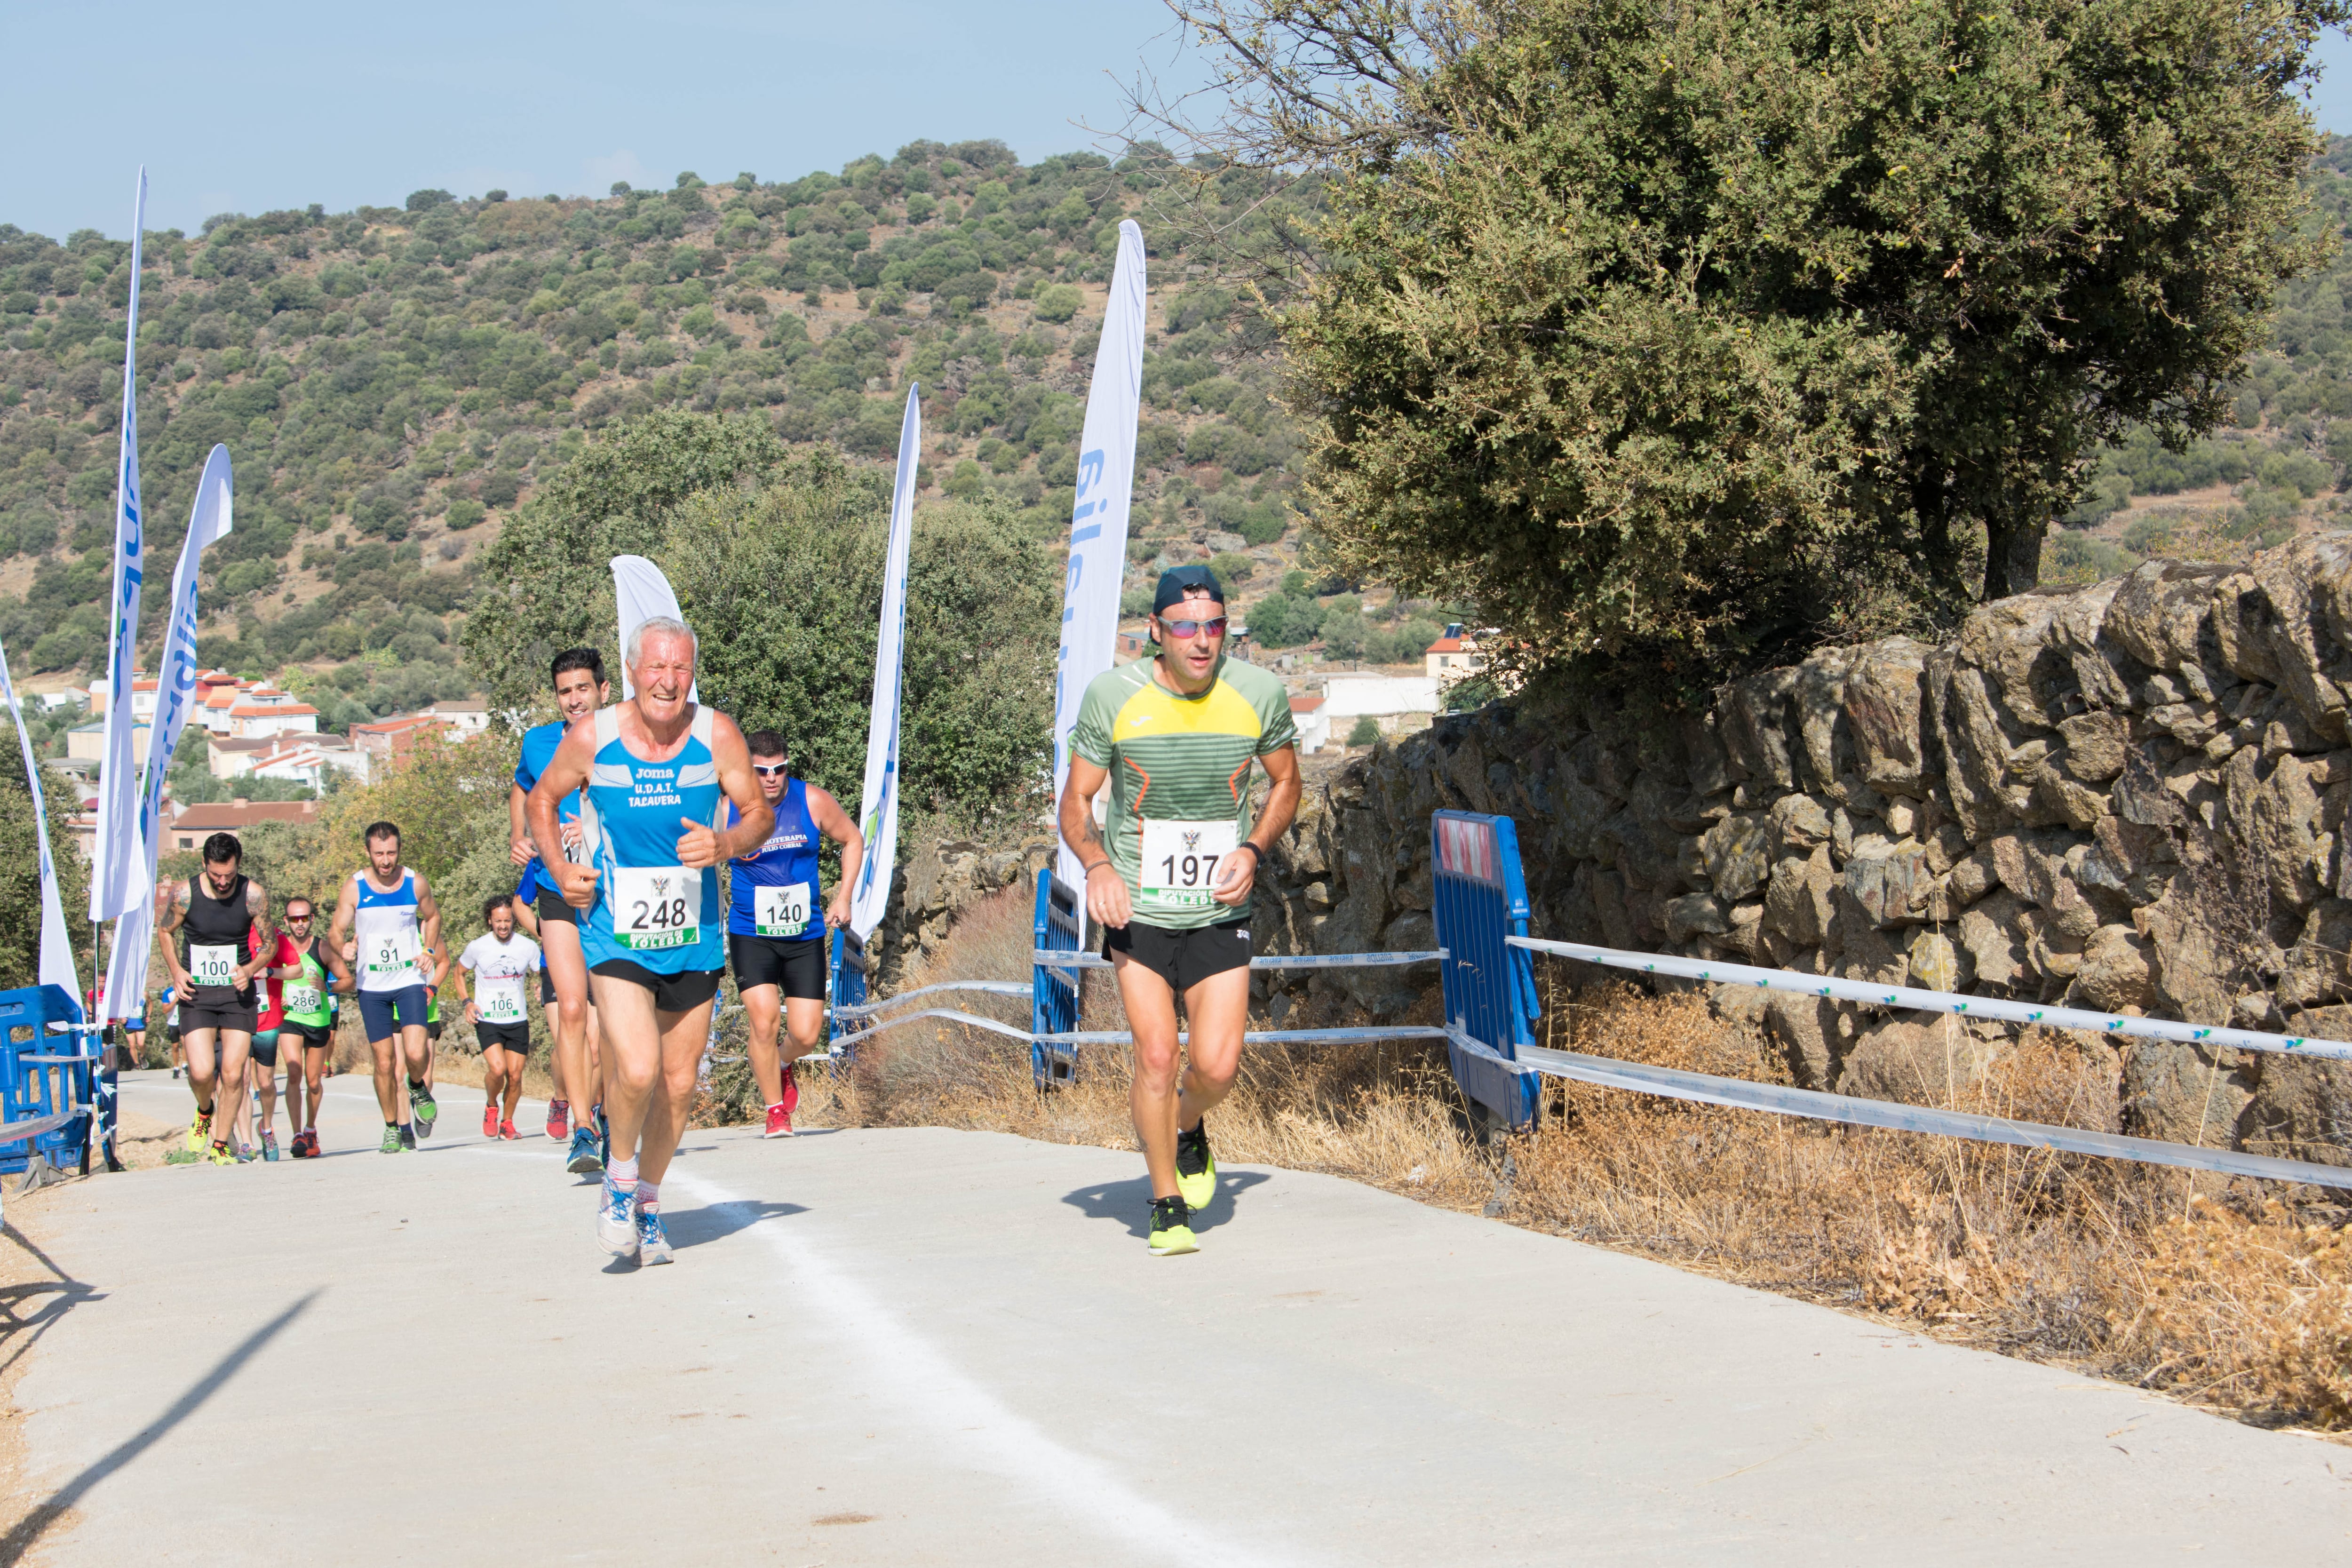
(1675, 334)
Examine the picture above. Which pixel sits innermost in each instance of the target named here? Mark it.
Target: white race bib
(391, 952)
(303, 999)
(212, 966)
(781, 911)
(499, 1000)
(657, 907)
(1179, 861)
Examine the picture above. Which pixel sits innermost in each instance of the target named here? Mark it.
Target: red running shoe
(780, 1122)
(792, 1090)
(507, 1130)
(559, 1120)
(489, 1122)
(300, 1148)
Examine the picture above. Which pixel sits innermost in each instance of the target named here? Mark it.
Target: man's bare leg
(1218, 1008)
(201, 1048)
(763, 1011)
(650, 1063)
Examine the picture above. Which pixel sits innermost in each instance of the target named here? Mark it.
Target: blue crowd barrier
(1479, 900)
(1060, 928)
(846, 1020)
(49, 1072)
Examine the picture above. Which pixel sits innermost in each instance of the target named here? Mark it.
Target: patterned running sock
(648, 1197)
(621, 1173)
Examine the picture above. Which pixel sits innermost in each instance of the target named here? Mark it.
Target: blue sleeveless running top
(539, 745)
(772, 891)
(650, 910)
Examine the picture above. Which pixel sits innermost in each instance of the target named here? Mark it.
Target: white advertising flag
(115, 854)
(1098, 515)
(175, 695)
(57, 962)
(641, 593)
(877, 815)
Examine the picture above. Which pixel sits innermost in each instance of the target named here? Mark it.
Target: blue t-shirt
(780, 879)
(649, 910)
(539, 746)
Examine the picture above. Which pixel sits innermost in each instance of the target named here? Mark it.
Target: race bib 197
(1179, 861)
(501, 999)
(781, 911)
(212, 966)
(657, 907)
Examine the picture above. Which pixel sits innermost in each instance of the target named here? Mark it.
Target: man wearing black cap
(1169, 874)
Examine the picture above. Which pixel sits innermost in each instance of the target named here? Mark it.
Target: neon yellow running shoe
(1172, 1228)
(221, 1155)
(1196, 1168)
(200, 1131)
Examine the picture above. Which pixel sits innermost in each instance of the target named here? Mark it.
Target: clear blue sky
(245, 105)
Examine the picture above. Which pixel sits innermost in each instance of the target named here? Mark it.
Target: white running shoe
(653, 1246)
(616, 1221)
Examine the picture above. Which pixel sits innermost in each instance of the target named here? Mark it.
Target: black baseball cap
(1178, 581)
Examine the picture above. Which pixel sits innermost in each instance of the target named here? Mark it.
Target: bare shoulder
(727, 737)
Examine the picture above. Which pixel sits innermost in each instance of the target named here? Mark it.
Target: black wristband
(1096, 867)
(1254, 849)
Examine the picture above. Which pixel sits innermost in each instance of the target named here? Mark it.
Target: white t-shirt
(498, 969)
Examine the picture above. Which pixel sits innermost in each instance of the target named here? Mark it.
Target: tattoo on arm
(1088, 833)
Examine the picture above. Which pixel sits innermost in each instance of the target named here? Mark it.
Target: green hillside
(393, 383)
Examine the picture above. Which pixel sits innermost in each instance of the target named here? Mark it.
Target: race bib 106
(781, 911)
(1179, 861)
(499, 1000)
(212, 966)
(657, 907)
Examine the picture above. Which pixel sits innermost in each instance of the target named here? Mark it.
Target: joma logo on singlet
(656, 773)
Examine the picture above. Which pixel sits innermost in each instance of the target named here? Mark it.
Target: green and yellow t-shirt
(1180, 779)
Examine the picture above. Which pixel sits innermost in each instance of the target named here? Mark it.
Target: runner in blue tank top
(581, 688)
(774, 937)
(656, 771)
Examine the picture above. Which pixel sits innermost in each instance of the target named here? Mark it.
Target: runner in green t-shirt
(309, 1030)
(1169, 875)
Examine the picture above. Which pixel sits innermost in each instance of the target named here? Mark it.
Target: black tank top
(216, 923)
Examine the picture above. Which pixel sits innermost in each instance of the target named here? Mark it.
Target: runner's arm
(172, 907)
(1239, 872)
(428, 921)
(264, 940)
(836, 824)
(565, 773)
(701, 845)
(519, 847)
(1106, 896)
(346, 909)
(525, 915)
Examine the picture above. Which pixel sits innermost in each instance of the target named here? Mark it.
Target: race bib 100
(1179, 861)
(501, 999)
(212, 966)
(781, 911)
(657, 907)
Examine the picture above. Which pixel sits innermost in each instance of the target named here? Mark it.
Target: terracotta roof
(1447, 645)
(217, 818)
(1305, 704)
(243, 742)
(221, 697)
(397, 724)
(265, 710)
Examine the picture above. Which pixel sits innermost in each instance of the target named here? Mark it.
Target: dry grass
(2224, 1297)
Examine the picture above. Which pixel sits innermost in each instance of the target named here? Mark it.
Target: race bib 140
(781, 911)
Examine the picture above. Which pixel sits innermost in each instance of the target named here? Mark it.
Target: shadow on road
(1131, 1200)
(20, 1330)
(35, 1524)
(717, 1222)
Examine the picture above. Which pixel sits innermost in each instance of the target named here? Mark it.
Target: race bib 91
(781, 911)
(501, 999)
(1179, 861)
(212, 966)
(392, 951)
(657, 907)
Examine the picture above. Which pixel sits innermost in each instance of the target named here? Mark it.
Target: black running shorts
(793, 964)
(264, 1049)
(314, 1036)
(551, 907)
(672, 993)
(515, 1037)
(241, 1019)
(1182, 958)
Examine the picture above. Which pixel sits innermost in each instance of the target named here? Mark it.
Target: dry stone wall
(2130, 797)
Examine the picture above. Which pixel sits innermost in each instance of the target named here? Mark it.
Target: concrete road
(935, 1347)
